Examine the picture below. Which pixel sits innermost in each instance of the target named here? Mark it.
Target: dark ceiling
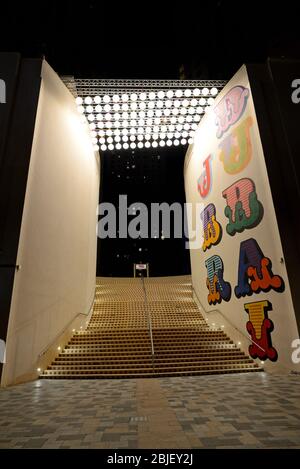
(91, 38)
(95, 39)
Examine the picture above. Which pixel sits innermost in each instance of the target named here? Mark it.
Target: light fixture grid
(158, 104)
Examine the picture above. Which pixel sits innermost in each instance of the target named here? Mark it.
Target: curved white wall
(57, 247)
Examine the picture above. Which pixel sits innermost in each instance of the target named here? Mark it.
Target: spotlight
(116, 107)
(78, 100)
(111, 146)
(106, 99)
(116, 98)
(202, 101)
(125, 97)
(143, 96)
(170, 94)
(133, 97)
(151, 95)
(205, 91)
(176, 142)
(98, 108)
(169, 143)
(125, 146)
(80, 109)
(147, 145)
(125, 107)
(140, 145)
(183, 141)
(88, 100)
(178, 93)
(161, 95)
(118, 146)
(154, 144)
(97, 99)
(196, 92)
(133, 145)
(162, 143)
(214, 91)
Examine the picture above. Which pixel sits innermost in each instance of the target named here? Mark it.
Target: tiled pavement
(253, 410)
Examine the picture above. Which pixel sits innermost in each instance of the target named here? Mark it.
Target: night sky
(89, 39)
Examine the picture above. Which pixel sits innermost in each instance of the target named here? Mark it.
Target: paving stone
(203, 411)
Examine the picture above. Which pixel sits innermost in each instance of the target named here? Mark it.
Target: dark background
(203, 40)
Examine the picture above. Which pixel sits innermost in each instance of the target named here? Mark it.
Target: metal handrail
(149, 319)
(45, 350)
(225, 317)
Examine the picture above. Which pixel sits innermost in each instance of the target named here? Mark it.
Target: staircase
(116, 342)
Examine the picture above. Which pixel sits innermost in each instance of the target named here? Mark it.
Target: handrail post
(149, 320)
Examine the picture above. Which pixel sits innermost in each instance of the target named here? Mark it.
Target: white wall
(57, 248)
(207, 142)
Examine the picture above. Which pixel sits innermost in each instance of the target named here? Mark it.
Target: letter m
(2, 92)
